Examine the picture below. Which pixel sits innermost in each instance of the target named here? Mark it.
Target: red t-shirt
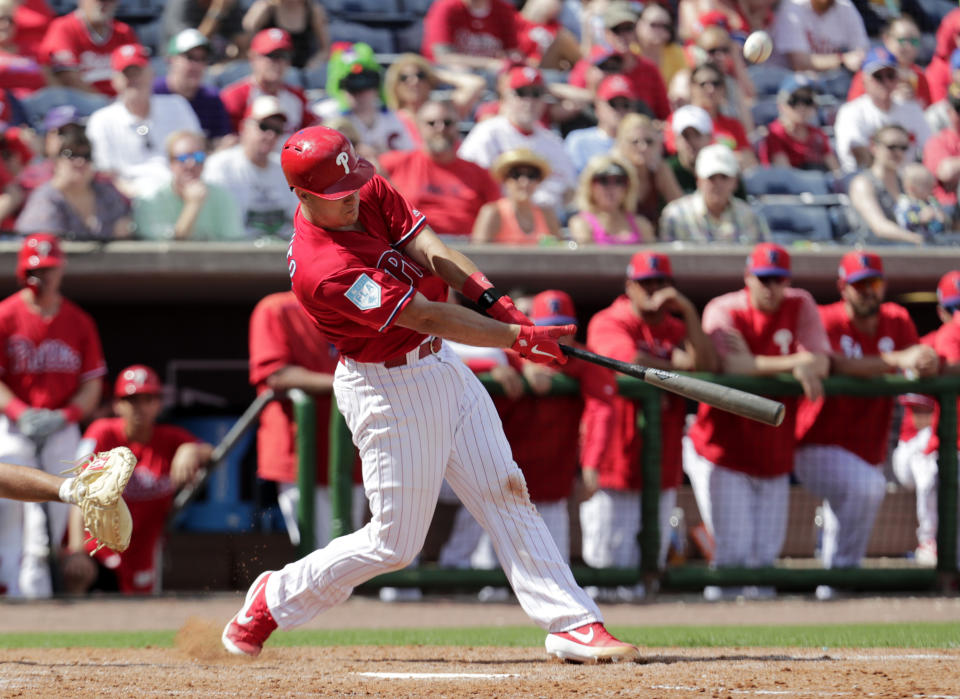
(20, 74)
(45, 360)
(68, 41)
(354, 284)
(726, 130)
(813, 151)
(618, 332)
(149, 495)
(31, 19)
(921, 87)
(828, 421)
(237, 96)
(534, 38)
(451, 23)
(449, 194)
(945, 144)
(645, 78)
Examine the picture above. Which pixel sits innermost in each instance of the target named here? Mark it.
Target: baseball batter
(766, 328)
(374, 278)
(51, 366)
(844, 466)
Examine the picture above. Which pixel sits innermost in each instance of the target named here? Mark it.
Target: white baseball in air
(758, 47)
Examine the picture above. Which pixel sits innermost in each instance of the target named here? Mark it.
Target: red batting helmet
(322, 161)
(39, 250)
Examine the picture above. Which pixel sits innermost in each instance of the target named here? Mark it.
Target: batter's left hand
(504, 310)
(538, 343)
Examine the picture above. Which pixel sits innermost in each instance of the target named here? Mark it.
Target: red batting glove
(505, 311)
(538, 343)
(477, 288)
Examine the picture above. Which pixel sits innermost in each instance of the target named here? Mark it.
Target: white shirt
(798, 29)
(135, 148)
(266, 203)
(491, 137)
(859, 119)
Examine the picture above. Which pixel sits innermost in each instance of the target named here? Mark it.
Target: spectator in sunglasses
(251, 172)
(607, 203)
(640, 142)
(858, 121)
(655, 38)
(411, 78)
(186, 207)
(792, 140)
(270, 55)
(447, 189)
(75, 203)
(616, 98)
(901, 37)
(305, 21)
(819, 35)
(714, 45)
(514, 219)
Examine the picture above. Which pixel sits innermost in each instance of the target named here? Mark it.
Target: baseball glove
(101, 479)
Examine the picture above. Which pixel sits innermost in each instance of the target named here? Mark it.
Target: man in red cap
(652, 324)
(271, 51)
(375, 279)
(868, 337)
(129, 135)
(740, 469)
(50, 375)
(616, 97)
(167, 458)
(518, 126)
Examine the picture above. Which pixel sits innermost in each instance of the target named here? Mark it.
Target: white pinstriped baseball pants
(415, 425)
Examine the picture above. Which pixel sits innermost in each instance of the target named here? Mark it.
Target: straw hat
(518, 156)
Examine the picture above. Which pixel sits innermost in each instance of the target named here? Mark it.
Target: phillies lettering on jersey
(355, 283)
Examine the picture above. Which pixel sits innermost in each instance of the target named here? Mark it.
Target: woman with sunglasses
(655, 37)
(791, 140)
(607, 200)
(715, 45)
(901, 37)
(187, 208)
(411, 78)
(875, 191)
(75, 203)
(640, 142)
(514, 219)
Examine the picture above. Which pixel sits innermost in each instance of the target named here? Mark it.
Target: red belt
(426, 349)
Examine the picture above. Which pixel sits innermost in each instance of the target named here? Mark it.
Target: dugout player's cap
(39, 251)
(553, 307)
(649, 265)
(948, 290)
(322, 161)
(129, 55)
(267, 41)
(136, 380)
(769, 260)
(858, 265)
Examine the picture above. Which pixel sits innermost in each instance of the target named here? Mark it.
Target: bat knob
(779, 414)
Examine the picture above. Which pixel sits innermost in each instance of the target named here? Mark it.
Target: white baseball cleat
(590, 643)
(246, 633)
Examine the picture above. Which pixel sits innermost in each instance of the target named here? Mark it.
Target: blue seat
(797, 222)
(765, 181)
(42, 101)
(764, 111)
(835, 82)
(361, 7)
(767, 78)
(379, 39)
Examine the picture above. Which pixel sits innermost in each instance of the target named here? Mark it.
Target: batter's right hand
(504, 310)
(538, 343)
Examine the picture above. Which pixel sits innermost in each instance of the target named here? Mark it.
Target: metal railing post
(305, 414)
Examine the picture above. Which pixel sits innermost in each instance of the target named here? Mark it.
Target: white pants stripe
(415, 425)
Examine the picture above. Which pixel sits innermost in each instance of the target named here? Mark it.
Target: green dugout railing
(687, 576)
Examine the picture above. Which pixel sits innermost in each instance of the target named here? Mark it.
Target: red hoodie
(938, 72)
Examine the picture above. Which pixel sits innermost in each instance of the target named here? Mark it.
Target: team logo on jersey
(364, 293)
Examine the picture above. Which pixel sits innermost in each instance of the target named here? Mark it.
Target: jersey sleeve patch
(364, 293)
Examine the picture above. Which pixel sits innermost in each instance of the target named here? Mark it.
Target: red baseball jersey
(908, 428)
(353, 284)
(68, 41)
(237, 96)
(551, 436)
(452, 23)
(149, 495)
(45, 360)
(281, 335)
(827, 421)
(735, 442)
(618, 332)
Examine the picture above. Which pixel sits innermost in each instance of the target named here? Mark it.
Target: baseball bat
(749, 405)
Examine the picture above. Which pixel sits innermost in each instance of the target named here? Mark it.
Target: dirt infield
(196, 666)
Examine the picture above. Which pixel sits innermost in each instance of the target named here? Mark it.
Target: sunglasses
(718, 49)
(665, 26)
(767, 280)
(280, 56)
(266, 126)
(896, 147)
(84, 155)
(612, 65)
(529, 92)
(912, 40)
(201, 56)
(531, 173)
(610, 180)
(419, 76)
(648, 141)
(625, 28)
(801, 102)
(621, 104)
(445, 123)
(710, 83)
(197, 156)
(885, 76)
(873, 283)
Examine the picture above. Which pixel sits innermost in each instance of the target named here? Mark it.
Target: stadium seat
(379, 39)
(230, 73)
(836, 83)
(764, 181)
(42, 101)
(796, 222)
(346, 8)
(767, 79)
(409, 38)
(417, 7)
(764, 111)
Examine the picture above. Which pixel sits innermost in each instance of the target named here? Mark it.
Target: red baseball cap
(769, 260)
(600, 53)
(39, 250)
(553, 307)
(948, 290)
(129, 55)
(524, 76)
(649, 265)
(857, 265)
(616, 86)
(266, 41)
(137, 379)
(713, 18)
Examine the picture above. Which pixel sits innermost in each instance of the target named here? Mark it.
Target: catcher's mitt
(100, 481)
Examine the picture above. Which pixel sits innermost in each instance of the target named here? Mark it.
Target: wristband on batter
(15, 408)
(72, 412)
(478, 289)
